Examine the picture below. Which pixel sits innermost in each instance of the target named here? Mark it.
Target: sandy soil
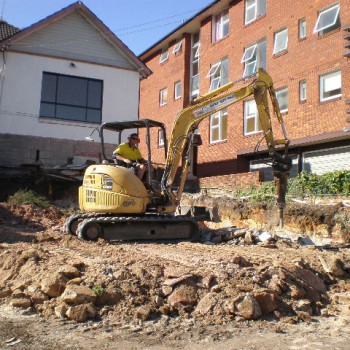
(59, 292)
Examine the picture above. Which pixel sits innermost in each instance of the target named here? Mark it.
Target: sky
(137, 23)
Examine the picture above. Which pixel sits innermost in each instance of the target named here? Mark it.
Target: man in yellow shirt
(129, 153)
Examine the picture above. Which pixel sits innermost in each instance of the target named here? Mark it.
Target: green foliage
(98, 290)
(28, 197)
(336, 183)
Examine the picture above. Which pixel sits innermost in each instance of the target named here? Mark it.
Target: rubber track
(139, 219)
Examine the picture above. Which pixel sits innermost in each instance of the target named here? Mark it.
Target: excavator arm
(187, 122)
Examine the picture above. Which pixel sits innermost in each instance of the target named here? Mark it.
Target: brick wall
(231, 181)
(305, 59)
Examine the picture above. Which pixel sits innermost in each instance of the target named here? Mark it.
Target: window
(330, 86)
(177, 90)
(163, 97)
(302, 28)
(164, 55)
(195, 66)
(281, 41)
(327, 20)
(71, 98)
(251, 118)
(254, 9)
(177, 47)
(218, 126)
(218, 74)
(282, 99)
(160, 137)
(302, 90)
(221, 25)
(254, 57)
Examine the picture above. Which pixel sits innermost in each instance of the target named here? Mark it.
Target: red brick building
(305, 47)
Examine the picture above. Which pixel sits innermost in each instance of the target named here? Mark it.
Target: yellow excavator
(117, 205)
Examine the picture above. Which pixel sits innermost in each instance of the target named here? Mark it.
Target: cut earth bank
(243, 287)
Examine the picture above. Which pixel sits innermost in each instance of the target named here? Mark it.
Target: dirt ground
(230, 290)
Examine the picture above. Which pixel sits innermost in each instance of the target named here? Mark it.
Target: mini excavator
(117, 205)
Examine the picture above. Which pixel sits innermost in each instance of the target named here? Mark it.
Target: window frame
(163, 100)
(322, 12)
(164, 56)
(217, 80)
(195, 60)
(161, 141)
(178, 47)
(302, 30)
(255, 58)
(258, 10)
(220, 116)
(218, 24)
(321, 86)
(255, 116)
(279, 91)
(176, 84)
(302, 95)
(58, 103)
(285, 48)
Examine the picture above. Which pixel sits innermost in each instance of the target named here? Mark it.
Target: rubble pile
(247, 275)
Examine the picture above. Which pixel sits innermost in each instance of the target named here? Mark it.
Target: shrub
(28, 197)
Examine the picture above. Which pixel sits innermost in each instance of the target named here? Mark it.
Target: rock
(81, 313)
(143, 312)
(159, 301)
(74, 294)
(174, 272)
(248, 238)
(332, 266)
(173, 281)
(54, 286)
(206, 304)
(183, 295)
(61, 310)
(296, 292)
(21, 302)
(166, 290)
(38, 297)
(249, 308)
(312, 280)
(69, 271)
(268, 302)
(110, 296)
(303, 306)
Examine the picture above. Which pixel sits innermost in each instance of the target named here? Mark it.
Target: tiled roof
(7, 30)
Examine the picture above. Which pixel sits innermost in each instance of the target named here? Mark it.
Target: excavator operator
(129, 154)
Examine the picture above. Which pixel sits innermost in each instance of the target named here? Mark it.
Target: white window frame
(256, 6)
(217, 79)
(161, 138)
(219, 115)
(163, 100)
(177, 47)
(335, 77)
(195, 59)
(302, 28)
(219, 21)
(164, 55)
(302, 90)
(279, 92)
(253, 5)
(252, 57)
(317, 29)
(284, 47)
(255, 116)
(177, 95)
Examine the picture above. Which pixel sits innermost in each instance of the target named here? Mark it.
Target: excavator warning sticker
(214, 106)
